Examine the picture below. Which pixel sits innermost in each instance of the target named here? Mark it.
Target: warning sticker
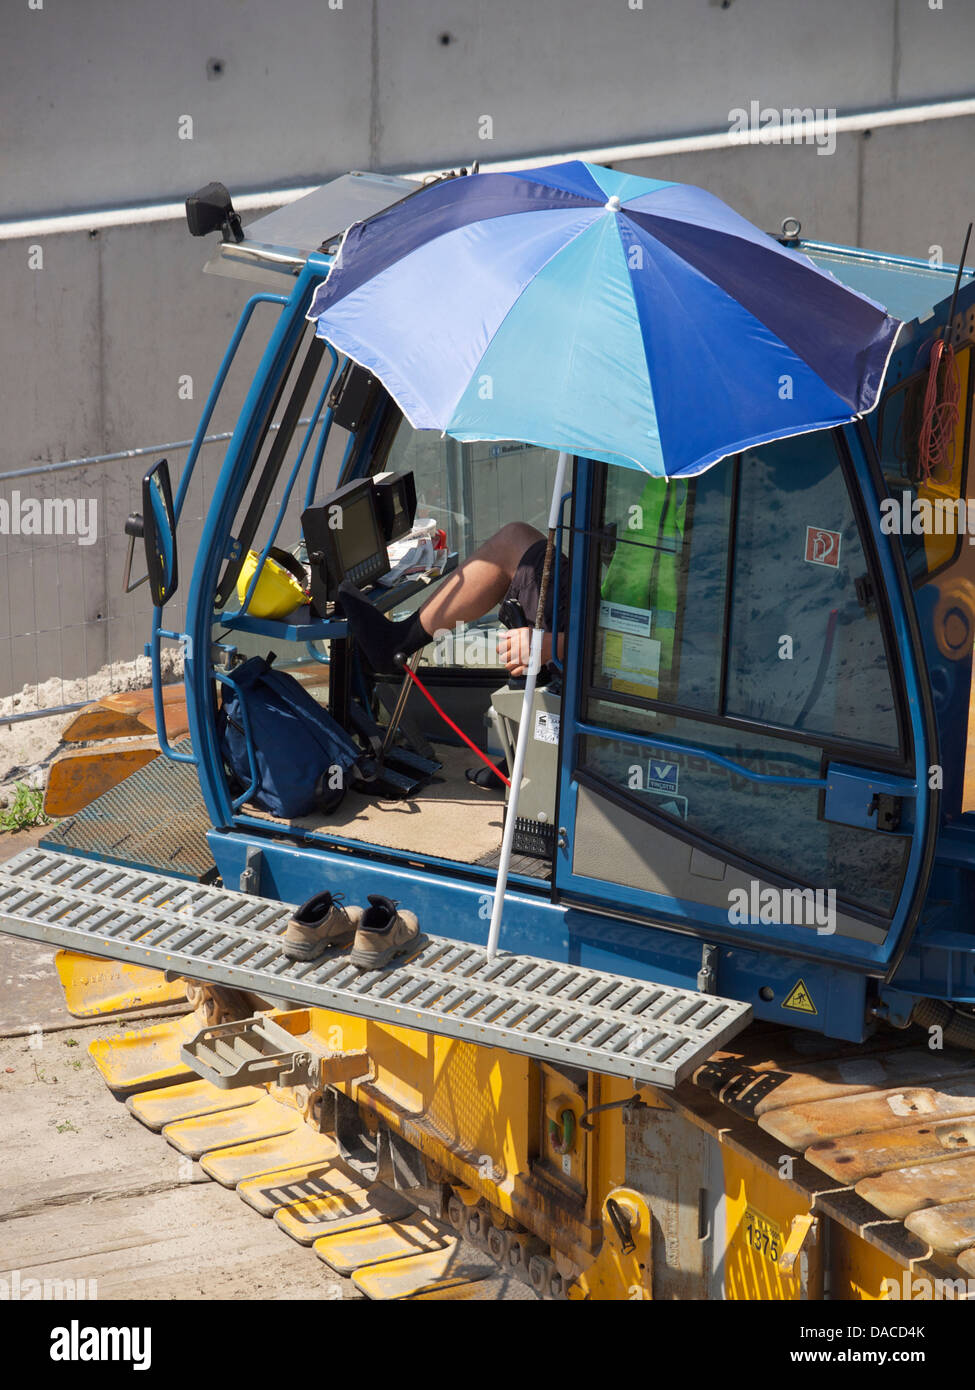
(823, 547)
(546, 726)
(799, 999)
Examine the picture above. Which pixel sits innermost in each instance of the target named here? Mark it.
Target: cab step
(565, 1014)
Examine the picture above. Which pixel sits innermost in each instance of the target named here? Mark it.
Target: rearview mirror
(159, 533)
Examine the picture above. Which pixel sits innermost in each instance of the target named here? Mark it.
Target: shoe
(319, 923)
(384, 933)
(482, 776)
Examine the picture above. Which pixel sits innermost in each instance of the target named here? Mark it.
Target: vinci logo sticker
(823, 547)
(661, 777)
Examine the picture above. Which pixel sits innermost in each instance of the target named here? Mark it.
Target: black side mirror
(159, 533)
(210, 209)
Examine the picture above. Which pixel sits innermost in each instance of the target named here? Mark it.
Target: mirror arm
(134, 530)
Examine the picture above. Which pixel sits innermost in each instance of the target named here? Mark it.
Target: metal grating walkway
(559, 1013)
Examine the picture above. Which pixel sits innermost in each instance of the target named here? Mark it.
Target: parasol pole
(534, 665)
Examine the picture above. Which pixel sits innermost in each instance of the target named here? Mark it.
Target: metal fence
(68, 631)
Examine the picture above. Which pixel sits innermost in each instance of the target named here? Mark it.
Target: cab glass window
(806, 649)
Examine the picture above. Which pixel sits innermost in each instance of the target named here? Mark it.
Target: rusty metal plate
(799, 1126)
(755, 1091)
(950, 1228)
(907, 1190)
(861, 1155)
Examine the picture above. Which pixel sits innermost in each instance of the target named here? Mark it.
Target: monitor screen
(358, 537)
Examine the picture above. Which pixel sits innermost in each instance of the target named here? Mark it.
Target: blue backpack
(304, 758)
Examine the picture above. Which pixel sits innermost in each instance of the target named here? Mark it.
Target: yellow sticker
(799, 999)
(762, 1235)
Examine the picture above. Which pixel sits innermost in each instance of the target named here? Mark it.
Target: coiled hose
(957, 1025)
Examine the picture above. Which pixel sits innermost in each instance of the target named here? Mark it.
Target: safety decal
(799, 999)
(547, 726)
(823, 547)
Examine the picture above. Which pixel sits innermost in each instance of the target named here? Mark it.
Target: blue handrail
(695, 750)
(162, 738)
(215, 389)
(158, 633)
(248, 740)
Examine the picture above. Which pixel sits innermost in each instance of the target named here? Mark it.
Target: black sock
(381, 639)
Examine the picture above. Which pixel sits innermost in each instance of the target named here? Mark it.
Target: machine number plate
(762, 1235)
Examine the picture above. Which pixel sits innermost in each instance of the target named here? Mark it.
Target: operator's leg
(476, 587)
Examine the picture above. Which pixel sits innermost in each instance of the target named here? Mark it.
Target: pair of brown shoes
(379, 933)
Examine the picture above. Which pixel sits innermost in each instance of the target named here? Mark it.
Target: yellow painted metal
(347, 1251)
(494, 1288)
(563, 1141)
(859, 1271)
(349, 1206)
(474, 1111)
(438, 1271)
(158, 1108)
(623, 1269)
(145, 1058)
(94, 987)
(302, 1145)
(267, 1192)
(802, 1237)
(220, 1129)
(759, 1211)
(483, 1118)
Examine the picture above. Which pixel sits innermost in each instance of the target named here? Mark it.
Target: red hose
(447, 719)
(936, 442)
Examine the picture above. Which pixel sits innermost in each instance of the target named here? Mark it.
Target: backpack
(304, 758)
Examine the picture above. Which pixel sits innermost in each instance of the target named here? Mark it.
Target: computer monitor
(345, 540)
(396, 501)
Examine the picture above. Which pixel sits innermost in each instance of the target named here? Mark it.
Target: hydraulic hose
(957, 1026)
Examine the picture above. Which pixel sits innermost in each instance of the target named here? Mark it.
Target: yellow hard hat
(280, 587)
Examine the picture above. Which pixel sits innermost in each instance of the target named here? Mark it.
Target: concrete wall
(95, 342)
(93, 92)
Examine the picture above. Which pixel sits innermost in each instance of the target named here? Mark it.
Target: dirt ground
(88, 1193)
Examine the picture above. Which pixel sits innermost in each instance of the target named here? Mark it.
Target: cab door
(746, 754)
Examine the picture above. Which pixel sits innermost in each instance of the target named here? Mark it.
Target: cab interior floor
(448, 817)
